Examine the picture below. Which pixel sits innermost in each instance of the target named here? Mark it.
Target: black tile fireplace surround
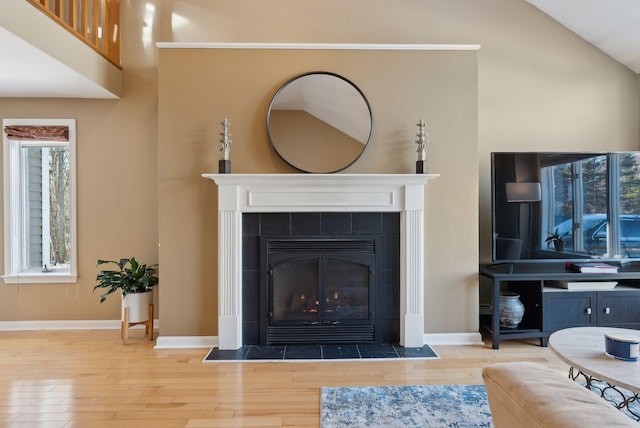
(384, 228)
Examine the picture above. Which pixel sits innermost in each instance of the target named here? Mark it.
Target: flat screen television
(589, 200)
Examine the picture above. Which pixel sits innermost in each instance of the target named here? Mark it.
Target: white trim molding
(322, 46)
(185, 342)
(66, 325)
(40, 278)
(453, 339)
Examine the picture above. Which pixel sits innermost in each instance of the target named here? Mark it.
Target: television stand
(549, 309)
(510, 264)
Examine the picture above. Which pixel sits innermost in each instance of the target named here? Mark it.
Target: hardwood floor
(89, 379)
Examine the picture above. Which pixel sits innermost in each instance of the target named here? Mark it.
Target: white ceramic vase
(511, 310)
(138, 306)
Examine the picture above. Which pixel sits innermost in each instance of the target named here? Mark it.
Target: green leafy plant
(132, 277)
(555, 237)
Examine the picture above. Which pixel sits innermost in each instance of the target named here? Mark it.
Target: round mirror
(319, 122)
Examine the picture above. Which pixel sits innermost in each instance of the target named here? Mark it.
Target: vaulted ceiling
(613, 26)
(33, 73)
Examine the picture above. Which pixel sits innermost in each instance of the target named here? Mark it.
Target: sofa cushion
(527, 394)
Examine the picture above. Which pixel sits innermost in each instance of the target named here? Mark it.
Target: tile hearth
(319, 352)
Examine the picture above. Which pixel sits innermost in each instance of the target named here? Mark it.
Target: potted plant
(134, 280)
(557, 239)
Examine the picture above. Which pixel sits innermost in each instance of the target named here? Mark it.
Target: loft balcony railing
(95, 22)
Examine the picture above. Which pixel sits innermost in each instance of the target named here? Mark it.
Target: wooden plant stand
(148, 324)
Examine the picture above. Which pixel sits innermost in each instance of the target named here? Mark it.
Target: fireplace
(349, 263)
(275, 194)
(319, 290)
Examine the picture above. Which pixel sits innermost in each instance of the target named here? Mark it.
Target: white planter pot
(138, 306)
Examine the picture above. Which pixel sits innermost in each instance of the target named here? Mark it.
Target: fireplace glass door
(319, 291)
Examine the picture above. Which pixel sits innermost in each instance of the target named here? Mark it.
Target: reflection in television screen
(565, 205)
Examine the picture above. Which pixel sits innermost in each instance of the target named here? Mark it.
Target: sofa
(525, 394)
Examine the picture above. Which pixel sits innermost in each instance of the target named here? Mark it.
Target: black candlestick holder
(224, 166)
(421, 167)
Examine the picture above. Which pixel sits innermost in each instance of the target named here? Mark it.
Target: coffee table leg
(624, 402)
(574, 374)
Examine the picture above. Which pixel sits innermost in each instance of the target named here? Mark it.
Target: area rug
(616, 396)
(461, 406)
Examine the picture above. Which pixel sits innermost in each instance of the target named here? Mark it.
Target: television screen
(565, 205)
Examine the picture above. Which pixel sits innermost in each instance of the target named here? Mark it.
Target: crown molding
(321, 46)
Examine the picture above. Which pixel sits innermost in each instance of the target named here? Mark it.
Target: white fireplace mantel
(244, 193)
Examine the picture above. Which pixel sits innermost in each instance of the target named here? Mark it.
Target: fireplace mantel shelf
(254, 193)
(324, 178)
(321, 192)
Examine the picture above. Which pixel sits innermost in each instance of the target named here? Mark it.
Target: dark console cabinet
(619, 307)
(549, 309)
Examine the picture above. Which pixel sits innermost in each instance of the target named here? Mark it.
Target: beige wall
(200, 87)
(539, 87)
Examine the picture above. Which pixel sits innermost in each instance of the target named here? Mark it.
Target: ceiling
(611, 25)
(33, 73)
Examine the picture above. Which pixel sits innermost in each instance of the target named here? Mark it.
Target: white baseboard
(453, 339)
(175, 342)
(184, 342)
(67, 325)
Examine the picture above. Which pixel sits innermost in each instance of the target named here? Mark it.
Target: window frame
(13, 210)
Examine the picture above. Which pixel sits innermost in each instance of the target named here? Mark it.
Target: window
(39, 201)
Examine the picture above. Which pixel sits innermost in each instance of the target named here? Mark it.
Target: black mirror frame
(287, 83)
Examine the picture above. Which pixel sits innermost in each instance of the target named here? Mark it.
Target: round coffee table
(582, 348)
